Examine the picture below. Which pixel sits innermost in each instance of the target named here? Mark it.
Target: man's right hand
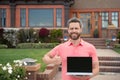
(56, 60)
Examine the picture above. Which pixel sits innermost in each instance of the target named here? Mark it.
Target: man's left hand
(83, 77)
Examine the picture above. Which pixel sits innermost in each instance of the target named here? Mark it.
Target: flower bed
(13, 71)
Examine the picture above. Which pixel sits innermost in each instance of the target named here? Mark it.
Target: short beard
(74, 38)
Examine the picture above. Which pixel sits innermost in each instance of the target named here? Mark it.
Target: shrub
(118, 36)
(1, 35)
(43, 32)
(96, 33)
(13, 71)
(2, 46)
(27, 35)
(36, 45)
(117, 45)
(10, 37)
(56, 35)
(43, 35)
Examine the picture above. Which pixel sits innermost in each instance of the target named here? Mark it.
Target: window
(115, 19)
(40, 17)
(2, 17)
(104, 19)
(22, 17)
(86, 20)
(96, 20)
(59, 17)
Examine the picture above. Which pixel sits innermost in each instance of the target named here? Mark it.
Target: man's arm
(48, 59)
(95, 68)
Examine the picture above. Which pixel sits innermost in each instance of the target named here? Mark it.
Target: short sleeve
(54, 51)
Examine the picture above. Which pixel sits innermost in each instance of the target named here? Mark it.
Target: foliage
(118, 36)
(10, 37)
(36, 45)
(117, 49)
(1, 35)
(108, 42)
(3, 46)
(117, 46)
(56, 35)
(96, 33)
(13, 71)
(27, 35)
(43, 32)
(44, 35)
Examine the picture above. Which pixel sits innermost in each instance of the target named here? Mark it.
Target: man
(75, 46)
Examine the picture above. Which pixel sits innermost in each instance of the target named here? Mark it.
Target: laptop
(79, 66)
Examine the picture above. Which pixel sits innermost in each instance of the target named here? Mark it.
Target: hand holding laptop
(82, 77)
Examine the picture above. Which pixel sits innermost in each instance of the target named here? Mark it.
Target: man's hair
(74, 19)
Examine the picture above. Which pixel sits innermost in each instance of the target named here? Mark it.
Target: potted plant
(96, 33)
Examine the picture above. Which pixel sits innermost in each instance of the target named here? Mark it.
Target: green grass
(117, 50)
(8, 55)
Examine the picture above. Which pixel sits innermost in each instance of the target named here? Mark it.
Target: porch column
(12, 15)
(110, 17)
(100, 26)
(119, 21)
(93, 23)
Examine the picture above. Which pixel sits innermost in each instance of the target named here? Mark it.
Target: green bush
(10, 37)
(36, 45)
(118, 36)
(117, 45)
(1, 35)
(96, 33)
(3, 46)
(56, 35)
(27, 35)
(13, 71)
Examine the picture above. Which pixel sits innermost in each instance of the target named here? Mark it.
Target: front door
(86, 20)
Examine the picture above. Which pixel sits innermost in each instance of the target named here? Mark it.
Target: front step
(110, 69)
(107, 58)
(109, 63)
(97, 42)
(100, 47)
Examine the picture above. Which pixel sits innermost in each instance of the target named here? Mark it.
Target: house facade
(95, 14)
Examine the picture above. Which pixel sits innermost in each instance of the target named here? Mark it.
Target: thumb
(57, 56)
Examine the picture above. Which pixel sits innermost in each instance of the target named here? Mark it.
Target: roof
(81, 4)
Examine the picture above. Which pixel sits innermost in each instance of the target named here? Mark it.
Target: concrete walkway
(107, 52)
(111, 76)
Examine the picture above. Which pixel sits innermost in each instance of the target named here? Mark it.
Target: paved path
(100, 52)
(98, 77)
(107, 52)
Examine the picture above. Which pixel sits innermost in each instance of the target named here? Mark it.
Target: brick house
(55, 13)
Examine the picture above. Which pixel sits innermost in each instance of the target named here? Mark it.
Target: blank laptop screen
(79, 64)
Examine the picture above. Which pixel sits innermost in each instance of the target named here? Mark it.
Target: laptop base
(78, 74)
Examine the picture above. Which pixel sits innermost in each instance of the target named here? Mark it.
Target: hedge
(36, 45)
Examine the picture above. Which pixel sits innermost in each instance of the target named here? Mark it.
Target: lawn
(8, 55)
